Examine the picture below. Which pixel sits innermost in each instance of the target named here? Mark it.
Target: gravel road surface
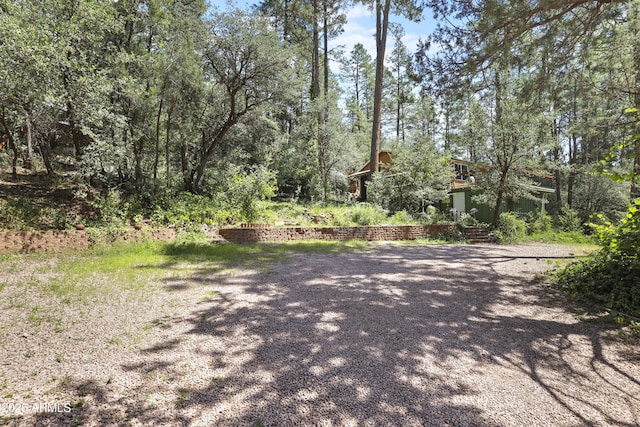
(403, 335)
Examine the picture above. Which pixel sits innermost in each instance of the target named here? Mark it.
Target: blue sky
(360, 27)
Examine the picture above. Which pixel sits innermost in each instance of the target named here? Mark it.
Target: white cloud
(361, 28)
(359, 11)
(354, 33)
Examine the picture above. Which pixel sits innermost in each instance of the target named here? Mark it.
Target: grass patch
(560, 237)
(101, 271)
(131, 270)
(208, 295)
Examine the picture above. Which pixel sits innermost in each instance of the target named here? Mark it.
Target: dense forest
(157, 96)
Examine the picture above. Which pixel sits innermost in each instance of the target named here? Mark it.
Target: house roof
(462, 184)
(384, 157)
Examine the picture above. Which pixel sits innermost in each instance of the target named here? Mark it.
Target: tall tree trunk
(28, 157)
(315, 54)
(75, 132)
(499, 197)
(184, 163)
(382, 25)
(323, 134)
(398, 102)
(573, 160)
(156, 158)
(325, 60)
(137, 155)
(555, 134)
(11, 144)
(166, 144)
(45, 152)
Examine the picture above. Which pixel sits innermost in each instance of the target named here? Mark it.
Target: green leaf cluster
(610, 277)
(419, 176)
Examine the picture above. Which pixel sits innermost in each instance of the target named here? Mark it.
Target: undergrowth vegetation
(564, 228)
(611, 276)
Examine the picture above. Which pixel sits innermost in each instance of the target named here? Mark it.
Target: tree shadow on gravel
(415, 335)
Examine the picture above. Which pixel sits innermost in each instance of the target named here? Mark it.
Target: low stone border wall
(66, 240)
(382, 232)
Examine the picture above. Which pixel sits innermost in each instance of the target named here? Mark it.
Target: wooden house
(465, 176)
(357, 180)
(464, 186)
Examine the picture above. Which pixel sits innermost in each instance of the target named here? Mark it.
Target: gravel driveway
(394, 335)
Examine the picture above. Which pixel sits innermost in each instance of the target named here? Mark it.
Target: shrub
(18, 214)
(366, 214)
(539, 222)
(568, 220)
(401, 218)
(186, 210)
(510, 227)
(610, 276)
(468, 220)
(417, 176)
(433, 215)
(246, 188)
(111, 208)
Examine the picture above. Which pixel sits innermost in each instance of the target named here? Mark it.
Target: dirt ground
(411, 335)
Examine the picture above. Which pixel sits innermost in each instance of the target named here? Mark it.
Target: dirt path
(396, 335)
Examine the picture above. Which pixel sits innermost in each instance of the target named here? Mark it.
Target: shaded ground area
(395, 335)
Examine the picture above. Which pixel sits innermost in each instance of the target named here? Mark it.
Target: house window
(462, 171)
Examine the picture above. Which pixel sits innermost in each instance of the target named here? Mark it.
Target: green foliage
(593, 193)
(18, 214)
(367, 214)
(237, 200)
(511, 228)
(432, 215)
(560, 237)
(112, 209)
(468, 220)
(418, 176)
(23, 214)
(538, 222)
(610, 276)
(245, 189)
(186, 210)
(347, 214)
(401, 218)
(567, 220)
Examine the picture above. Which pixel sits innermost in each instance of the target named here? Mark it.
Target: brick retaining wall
(382, 232)
(65, 240)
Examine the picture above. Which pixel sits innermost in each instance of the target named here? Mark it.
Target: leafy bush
(540, 222)
(366, 214)
(18, 214)
(186, 210)
(433, 215)
(610, 277)
(417, 176)
(23, 214)
(568, 220)
(468, 220)
(246, 188)
(510, 227)
(238, 201)
(401, 218)
(112, 210)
